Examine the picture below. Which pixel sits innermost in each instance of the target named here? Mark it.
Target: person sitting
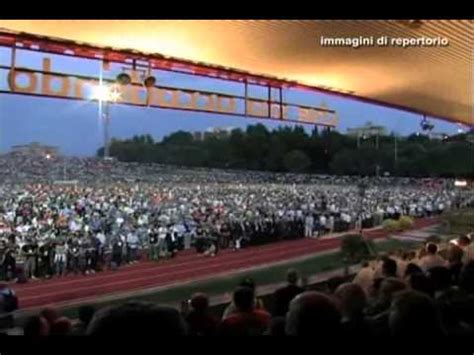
(62, 326)
(50, 314)
(36, 327)
(313, 313)
(468, 248)
(365, 277)
(389, 268)
(85, 313)
(137, 319)
(284, 295)
(411, 269)
(353, 300)
(200, 321)
(379, 310)
(414, 314)
(418, 281)
(431, 259)
(248, 282)
(246, 320)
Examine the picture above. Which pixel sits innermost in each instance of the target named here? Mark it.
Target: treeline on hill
(291, 149)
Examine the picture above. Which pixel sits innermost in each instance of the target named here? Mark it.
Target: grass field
(262, 276)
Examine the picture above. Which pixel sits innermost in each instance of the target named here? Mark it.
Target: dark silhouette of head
(137, 319)
(292, 276)
(440, 277)
(200, 302)
(389, 267)
(244, 299)
(431, 248)
(50, 314)
(411, 269)
(313, 313)
(420, 282)
(86, 313)
(352, 299)
(414, 314)
(248, 282)
(464, 240)
(36, 327)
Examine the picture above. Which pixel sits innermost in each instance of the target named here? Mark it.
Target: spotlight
(101, 93)
(123, 79)
(149, 81)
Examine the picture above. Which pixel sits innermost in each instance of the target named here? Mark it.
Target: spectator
(388, 287)
(248, 282)
(431, 259)
(467, 246)
(455, 261)
(137, 319)
(313, 313)
(85, 313)
(441, 279)
(389, 267)
(418, 281)
(284, 295)
(200, 321)
(353, 300)
(62, 326)
(414, 314)
(411, 269)
(246, 320)
(36, 327)
(50, 314)
(365, 277)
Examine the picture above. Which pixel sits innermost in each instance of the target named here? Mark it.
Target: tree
(296, 161)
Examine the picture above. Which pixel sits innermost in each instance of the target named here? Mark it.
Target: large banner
(47, 82)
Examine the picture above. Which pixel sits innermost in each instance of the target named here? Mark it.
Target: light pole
(106, 94)
(106, 117)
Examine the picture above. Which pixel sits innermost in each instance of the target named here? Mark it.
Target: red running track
(185, 267)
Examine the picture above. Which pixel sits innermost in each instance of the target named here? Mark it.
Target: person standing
(162, 243)
(153, 245)
(132, 247)
(309, 222)
(29, 251)
(60, 258)
(116, 253)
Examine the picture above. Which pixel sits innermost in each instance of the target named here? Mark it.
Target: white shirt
(322, 220)
(101, 238)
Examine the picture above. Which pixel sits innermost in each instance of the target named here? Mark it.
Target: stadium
(238, 177)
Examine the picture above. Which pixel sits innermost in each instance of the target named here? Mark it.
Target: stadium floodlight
(101, 93)
(105, 93)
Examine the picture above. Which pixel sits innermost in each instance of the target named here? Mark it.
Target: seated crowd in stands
(400, 294)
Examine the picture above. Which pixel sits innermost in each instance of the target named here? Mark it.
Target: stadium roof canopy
(435, 81)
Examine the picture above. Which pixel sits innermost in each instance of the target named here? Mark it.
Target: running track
(185, 267)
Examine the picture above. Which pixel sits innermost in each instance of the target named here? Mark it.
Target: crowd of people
(428, 292)
(112, 213)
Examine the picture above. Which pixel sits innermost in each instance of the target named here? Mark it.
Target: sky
(74, 126)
